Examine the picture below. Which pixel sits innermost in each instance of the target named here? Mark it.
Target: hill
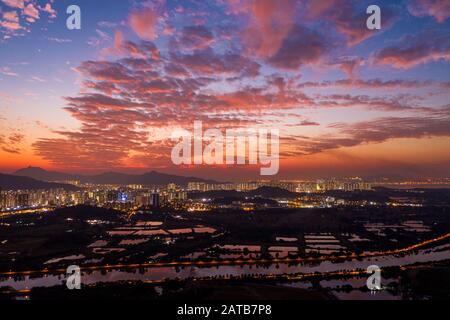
(148, 178)
(12, 182)
(44, 175)
(263, 192)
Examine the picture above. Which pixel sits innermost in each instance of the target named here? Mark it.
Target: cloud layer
(310, 68)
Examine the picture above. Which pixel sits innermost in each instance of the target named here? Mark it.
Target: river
(438, 253)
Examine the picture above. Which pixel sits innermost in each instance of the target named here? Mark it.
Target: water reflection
(161, 273)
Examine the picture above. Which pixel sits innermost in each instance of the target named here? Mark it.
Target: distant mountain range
(44, 175)
(12, 182)
(263, 192)
(149, 178)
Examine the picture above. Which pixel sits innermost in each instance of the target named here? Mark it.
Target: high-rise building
(112, 196)
(196, 186)
(172, 187)
(2, 199)
(22, 200)
(143, 199)
(135, 186)
(178, 195)
(122, 197)
(154, 199)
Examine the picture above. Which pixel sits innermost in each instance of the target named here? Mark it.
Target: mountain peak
(16, 182)
(31, 168)
(42, 174)
(111, 177)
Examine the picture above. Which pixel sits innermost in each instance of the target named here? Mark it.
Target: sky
(348, 101)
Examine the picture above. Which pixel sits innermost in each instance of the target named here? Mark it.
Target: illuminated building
(112, 195)
(122, 197)
(172, 187)
(135, 186)
(2, 200)
(195, 186)
(143, 200)
(22, 200)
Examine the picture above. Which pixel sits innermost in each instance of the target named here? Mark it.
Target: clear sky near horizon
(347, 100)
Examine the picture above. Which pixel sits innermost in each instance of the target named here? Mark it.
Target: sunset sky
(347, 100)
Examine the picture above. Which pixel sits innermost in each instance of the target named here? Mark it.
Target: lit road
(231, 262)
(26, 211)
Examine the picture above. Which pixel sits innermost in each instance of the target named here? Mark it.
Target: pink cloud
(48, 8)
(144, 49)
(415, 50)
(439, 9)
(302, 46)
(196, 38)
(10, 25)
(11, 21)
(105, 71)
(272, 22)
(8, 72)
(318, 8)
(209, 63)
(118, 39)
(388, 104)
(350, 20)
(15, 3)
(349, 65)
(375, 84)
(11, 16)
(143, 22)
(268, 25)
(31, 12)
(405, 58)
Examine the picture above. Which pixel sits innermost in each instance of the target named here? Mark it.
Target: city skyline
(348, 101)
